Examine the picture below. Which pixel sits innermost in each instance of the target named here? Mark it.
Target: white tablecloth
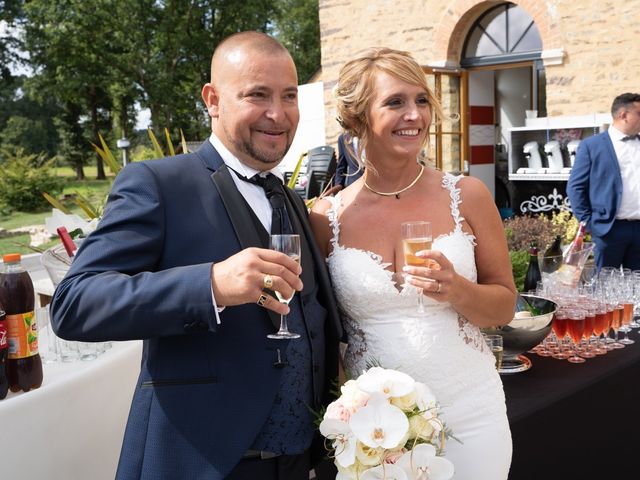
(72, 427)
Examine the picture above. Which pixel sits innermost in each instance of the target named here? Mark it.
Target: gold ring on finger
(262, 299)
(439, 287)
(267, 282)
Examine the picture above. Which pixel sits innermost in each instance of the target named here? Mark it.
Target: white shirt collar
(615, 134)
(234, 163)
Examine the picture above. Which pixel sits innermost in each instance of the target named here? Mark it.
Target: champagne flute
(290, 246)
(416, 236)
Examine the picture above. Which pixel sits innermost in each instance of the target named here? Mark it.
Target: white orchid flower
(344, 442)
(390, 382)
(387, 471)
(379, 424)
(425, 400)
(421, 463)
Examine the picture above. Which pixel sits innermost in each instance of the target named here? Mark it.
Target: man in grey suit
(604, 186)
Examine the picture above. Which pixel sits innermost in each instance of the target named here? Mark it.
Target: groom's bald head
(233, 48)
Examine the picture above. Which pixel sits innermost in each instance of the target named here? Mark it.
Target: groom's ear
(211, 100)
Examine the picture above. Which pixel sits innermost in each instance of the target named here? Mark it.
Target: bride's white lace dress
(439, 347)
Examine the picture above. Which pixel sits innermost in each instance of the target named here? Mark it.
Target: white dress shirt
(253, 194)
(628, 154)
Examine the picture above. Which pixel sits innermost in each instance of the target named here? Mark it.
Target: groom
(180, 260)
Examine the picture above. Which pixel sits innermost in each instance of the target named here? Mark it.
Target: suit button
(188, 327)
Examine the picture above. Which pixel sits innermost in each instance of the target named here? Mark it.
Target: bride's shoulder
(473, 189)
(320, 224)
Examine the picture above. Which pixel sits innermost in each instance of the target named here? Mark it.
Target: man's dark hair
(623, 101)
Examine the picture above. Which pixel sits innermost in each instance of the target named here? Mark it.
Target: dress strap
(332, 215)
(450, 183)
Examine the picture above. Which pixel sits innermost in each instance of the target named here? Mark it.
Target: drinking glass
(589, 326)
(49, 350)
(416, 236)
(601, 327)
(495, 344)
(290, 246)
(575, 329)
(559, 327)
(88, 351)
(616, 323)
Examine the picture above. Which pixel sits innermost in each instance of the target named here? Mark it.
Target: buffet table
(72, 426)
(576, 421)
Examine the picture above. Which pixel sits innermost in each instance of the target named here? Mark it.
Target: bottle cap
(11, 257)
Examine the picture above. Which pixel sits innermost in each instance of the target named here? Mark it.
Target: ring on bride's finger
(439, 287)
(267, 281)
(261, 301)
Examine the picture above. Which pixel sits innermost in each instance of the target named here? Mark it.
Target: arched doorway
(499, 75)
(502, 53)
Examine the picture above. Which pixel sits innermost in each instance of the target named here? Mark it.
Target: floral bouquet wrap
(385, 426)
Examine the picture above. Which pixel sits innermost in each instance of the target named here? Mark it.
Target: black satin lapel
(236, 207)
(241, 221)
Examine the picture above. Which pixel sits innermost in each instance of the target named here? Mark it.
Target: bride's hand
(438, 280)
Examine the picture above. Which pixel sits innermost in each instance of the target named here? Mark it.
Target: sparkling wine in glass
(290, 246)
(416, 236)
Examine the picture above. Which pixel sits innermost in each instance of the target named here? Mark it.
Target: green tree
(100, 58)
(297, 26)
(10, 14)
(66, 40)
(24, 122)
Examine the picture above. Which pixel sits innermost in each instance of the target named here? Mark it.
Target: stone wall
(591, 46)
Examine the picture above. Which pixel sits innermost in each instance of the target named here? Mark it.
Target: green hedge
(23, 178)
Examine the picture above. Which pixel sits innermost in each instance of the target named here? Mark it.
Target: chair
(321, 166)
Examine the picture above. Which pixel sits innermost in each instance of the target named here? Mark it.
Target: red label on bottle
(4, 342)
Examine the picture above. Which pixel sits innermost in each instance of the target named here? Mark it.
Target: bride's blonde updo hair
(355, 90)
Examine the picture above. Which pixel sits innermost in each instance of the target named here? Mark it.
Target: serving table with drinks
(72, 426)
(571, 421)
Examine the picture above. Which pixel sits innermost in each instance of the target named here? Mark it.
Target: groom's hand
(243, 277)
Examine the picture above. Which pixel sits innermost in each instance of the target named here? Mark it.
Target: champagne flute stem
(420, 301)
(283, 324)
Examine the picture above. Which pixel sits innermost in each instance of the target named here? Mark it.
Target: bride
(384, 100)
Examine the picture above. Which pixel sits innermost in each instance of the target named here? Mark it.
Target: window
(504, 34)
(446, 138)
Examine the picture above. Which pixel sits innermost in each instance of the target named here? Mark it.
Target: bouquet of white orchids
(385, 426)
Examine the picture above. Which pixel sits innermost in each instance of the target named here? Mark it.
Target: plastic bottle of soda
(24, 366)
(4, 349)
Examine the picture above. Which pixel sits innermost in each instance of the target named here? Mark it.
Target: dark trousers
(285, 467)
(620, 246)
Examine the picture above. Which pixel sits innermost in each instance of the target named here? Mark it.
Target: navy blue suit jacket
(205, 390)
(595, 184)
(347, 169)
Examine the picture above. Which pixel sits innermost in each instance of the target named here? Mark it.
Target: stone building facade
(589, 53)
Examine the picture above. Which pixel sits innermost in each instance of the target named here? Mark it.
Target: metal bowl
(525, 331)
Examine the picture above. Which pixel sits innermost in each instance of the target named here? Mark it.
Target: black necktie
(273, 188)
(631, 137)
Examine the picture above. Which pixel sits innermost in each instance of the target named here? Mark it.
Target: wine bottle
(552, 257)
(533, 270)
(569, 272)
(569, 257)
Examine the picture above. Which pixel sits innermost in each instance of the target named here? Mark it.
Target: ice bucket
(530, 325)
(56, 262)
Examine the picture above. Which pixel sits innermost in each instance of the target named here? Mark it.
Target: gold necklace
(397, 193)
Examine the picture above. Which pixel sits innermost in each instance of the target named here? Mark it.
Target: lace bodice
(382, 322)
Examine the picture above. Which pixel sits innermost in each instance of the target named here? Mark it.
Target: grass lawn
(94, 190)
